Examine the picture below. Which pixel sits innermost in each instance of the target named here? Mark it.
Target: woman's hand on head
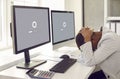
(87, 33)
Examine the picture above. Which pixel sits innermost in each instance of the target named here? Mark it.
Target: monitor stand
(29, 64)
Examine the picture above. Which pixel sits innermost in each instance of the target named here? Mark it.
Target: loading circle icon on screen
(64, 25)
(34, 26)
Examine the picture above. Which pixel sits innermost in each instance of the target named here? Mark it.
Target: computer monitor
(30, 29)
(63, 28)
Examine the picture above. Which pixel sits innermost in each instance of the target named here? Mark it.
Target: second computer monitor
(63, 27)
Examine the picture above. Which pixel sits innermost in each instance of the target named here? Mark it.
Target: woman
(100, 49)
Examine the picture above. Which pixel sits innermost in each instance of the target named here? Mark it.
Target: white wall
(53, 4)
(94, 13)
(76, 6)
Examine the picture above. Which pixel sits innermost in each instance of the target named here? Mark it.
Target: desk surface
(77, 71)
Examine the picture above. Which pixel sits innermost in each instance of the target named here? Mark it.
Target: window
(26, 2)
(0, 22)
(5, 19)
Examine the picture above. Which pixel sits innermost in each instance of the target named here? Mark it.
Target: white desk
(77, 71)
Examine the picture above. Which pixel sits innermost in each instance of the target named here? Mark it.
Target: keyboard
(63, 65)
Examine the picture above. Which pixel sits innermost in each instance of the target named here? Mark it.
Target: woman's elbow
(89, 63)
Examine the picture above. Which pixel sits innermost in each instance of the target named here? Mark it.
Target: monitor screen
(63, 26)
(31, 28)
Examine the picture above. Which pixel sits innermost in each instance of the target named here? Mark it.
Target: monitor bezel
(14, 36)
(60, 11)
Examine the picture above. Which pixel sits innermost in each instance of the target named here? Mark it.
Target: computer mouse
(65, 56)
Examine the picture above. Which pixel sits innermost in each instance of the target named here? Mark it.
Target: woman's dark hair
(79, 40)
